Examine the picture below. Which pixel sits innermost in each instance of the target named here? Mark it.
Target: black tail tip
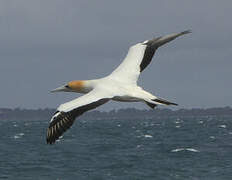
(163, 101)
(174, 104)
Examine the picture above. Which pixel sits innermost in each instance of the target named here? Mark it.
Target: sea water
(129, 149)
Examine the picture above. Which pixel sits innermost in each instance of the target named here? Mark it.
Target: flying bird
(120, 85)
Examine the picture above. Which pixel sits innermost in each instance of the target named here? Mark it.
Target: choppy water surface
(172, 148)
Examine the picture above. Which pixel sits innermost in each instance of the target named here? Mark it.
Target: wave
(185, 149)
(148, 136)
(19, 135)
(222, 126)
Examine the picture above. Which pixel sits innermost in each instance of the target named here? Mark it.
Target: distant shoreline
(7, 113)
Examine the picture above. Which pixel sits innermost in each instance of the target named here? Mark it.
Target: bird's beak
(61, 89)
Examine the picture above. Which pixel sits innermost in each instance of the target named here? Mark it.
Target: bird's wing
(67, 112)
(139, 57)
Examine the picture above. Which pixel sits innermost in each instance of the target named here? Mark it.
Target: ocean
(171, 148)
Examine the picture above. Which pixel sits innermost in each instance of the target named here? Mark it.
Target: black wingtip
(186, 32)
(50, 139)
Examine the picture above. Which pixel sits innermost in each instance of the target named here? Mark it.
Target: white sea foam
(19, 135)
(178, 121)
(16, 137)
(148, 136)
(192, 150)
(212, 137)
(177, 150)
(178, 126)
(185, 149)
(222, 126)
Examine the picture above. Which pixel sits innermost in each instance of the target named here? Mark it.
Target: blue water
(132, 149)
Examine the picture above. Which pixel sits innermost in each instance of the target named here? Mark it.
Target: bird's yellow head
(72, 86)
(76, 85)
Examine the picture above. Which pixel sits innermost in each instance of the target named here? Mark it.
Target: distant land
(17, 114)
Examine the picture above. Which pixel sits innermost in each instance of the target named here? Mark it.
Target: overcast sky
(44, 44)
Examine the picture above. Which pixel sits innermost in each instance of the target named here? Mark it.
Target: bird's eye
(67, 86)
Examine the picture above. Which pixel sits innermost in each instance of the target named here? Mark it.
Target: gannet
(120, 85)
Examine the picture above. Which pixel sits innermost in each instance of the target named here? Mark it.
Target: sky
(44, 44)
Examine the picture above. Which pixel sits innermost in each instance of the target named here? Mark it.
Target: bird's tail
(159, 101)
(164, 102)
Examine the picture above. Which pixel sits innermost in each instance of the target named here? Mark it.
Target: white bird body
(120, 85)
